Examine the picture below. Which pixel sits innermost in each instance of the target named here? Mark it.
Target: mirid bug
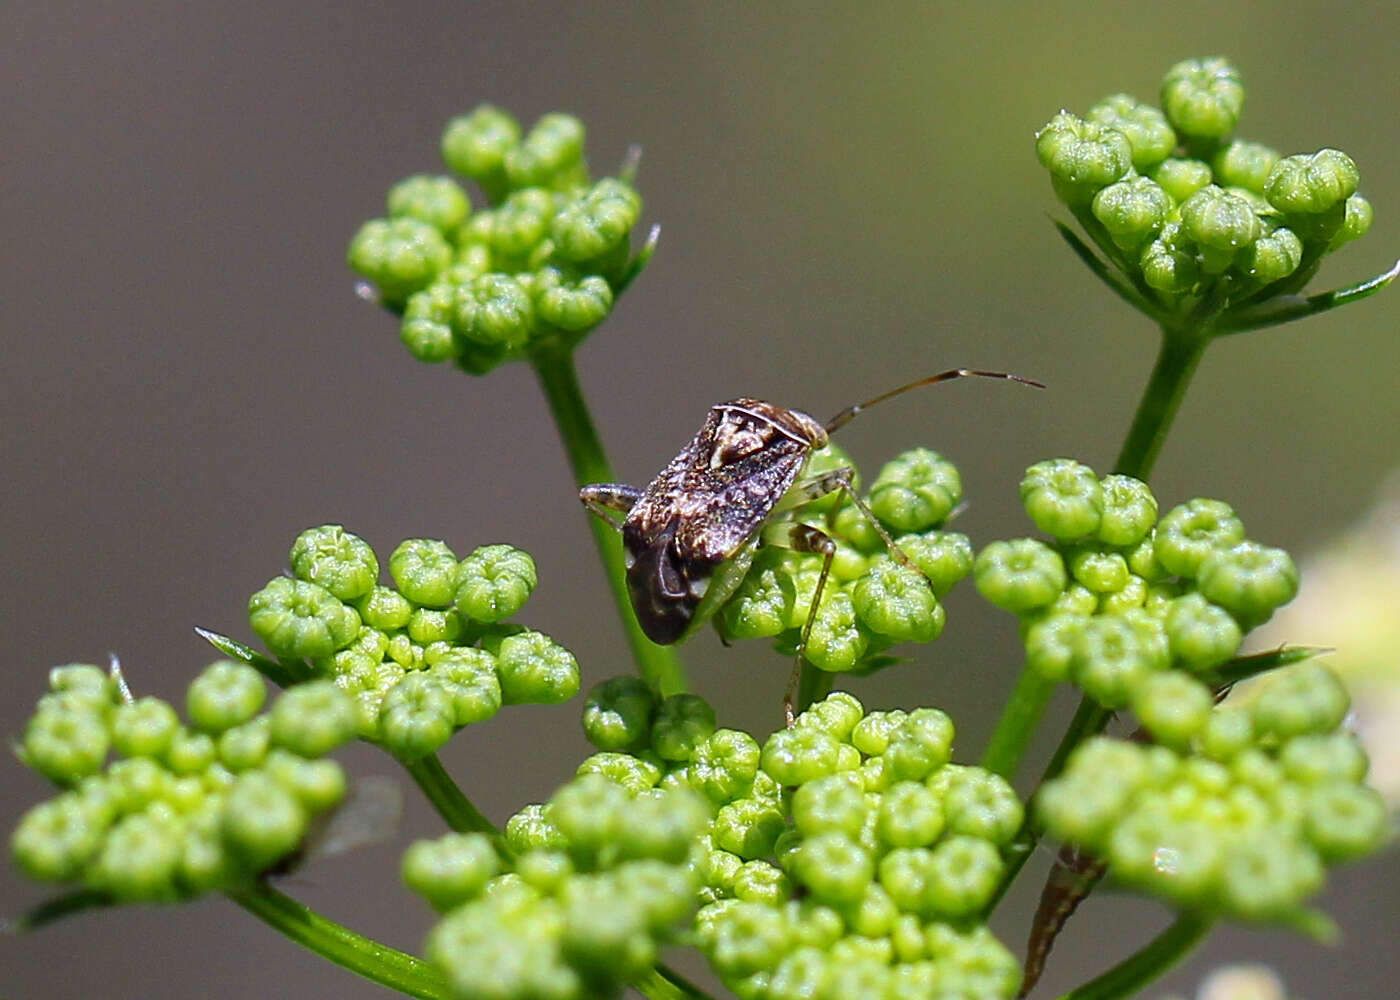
(691, 534)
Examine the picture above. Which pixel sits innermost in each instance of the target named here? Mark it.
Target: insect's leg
(602, 499)
(802, 538)
(840, 479)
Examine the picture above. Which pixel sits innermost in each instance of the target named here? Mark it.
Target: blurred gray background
(849, 197)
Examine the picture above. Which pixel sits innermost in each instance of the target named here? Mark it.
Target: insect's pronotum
(690, 535)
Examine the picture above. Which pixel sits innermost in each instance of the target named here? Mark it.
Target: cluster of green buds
(845, 856)
(872, 598)
(185, 808)
(422, 658)
(577, 900)
(1243, 818)
(544, 262)
(1185, 210)
(1131, 609)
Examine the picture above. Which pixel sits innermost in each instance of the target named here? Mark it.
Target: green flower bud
(450, 870)
(1133, 594)
(143, 728)
(1321, 757)
(189, 753)
(493, 311)
(1273, 256)
(65, 745)
(1050, 644)
(1244, 164)
(341, 562)
(1304, 698)
(1345, 821)
(520, 224)
(682, 723)
(1100, 572)
(425, 571)
(317, 784)
(572, 304)
(978, 803)
(796, 756)
(760, 882)
(764, 602)
(1169, 262)
(550, 156)
(1110, 660)
(1063, 498)
(944, 557)
(636, 774)
(833, 868)
(910, 815)
(1200, 634)
(1132, 210)
(438, 201)
(833, 804)
(536, 670)
(1248, 580)
(1181, 178)
(1173, 707)
(416, 716)
(836, 643)
(81, 677)
(531, 830)
(590, 812)
(1082, 157)
(919, 745)
(400, 256)
(748, 828)
(1219, 219)
(245, 747)
(915, 491)
(56, 839)
(261, 821)
(1151, 138)
(597, 223)
(427, 626)
(963, 874)
(426, 330)
(617, 714)
(494, 582)
(312, 719)
(836, 714)
(1311, 184)
(1191, 531)
(1228, 732)
(296, 619)
(896, 601)
(1020, 575)
(476, 145)
(1356, 221)
(1203, 98)
(1129, 510)
(138, 859)
(1264, 879)
(385, 609)
(723, 766)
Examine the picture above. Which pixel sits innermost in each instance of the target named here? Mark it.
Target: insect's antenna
(846, 415)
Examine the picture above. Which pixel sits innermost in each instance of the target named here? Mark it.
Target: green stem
(1147, 964)
(452, 805)
(813, 685)
(1177, 358)
(554, 367)
(378, 963)
(1018, 723)
(1088, 720)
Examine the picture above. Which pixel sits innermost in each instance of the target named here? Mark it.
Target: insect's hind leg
(800, 537)
(840, 480)
(603, 499)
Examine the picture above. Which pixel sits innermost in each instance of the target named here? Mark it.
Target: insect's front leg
(603, 499)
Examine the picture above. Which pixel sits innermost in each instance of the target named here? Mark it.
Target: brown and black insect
(690, 536)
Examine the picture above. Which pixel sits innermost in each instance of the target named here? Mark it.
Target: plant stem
(378, 963)
(1177, 357)
(452, 805)
(558, 378)
(1149, 962)
(1018, 723)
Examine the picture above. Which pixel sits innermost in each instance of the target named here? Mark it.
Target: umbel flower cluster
(185, 807)
(1187, 211)
(871, 599)
(543, 263)
(424, 657)
(845, 856)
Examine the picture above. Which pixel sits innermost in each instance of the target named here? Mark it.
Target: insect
(691, 534)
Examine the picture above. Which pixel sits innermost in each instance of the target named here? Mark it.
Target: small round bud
(1200, 634)
(425, 571)
(1181, 178)
(919, 745)
(143, 728)
(312, 719)
(833, 868)
(571, 303)
(1191, 531)
(298, 620)
(1169, 262)
(1129, 510)
(1132, 210)
(1145, 127)
(493, 311)
(334, 558)
(1310, 184)
(64, 746)
(724, 766)
(1273, 256)
(797, 755)
(1082, 157)
(416, 716)
(426, 329)
(836, 642)
(1110, 660)
(54, 840)
(400, 256)
(617, 714)
(476, 145)
(1304, 698)
(1244, 164)
(1173, 707)
(261, 821)
(536, 670)
(438, 201)
(915, 491)
(551, 152)
(597, 223)
(944, 557)
(1203, 97)
(963, 875)
(1020, 575)
(682, 723)
(1356, 221)
(978, 803)
(1219, 219)
(385, 609)
(450, 870)
(897, 602)
(1248, 580)
(1063, 498)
